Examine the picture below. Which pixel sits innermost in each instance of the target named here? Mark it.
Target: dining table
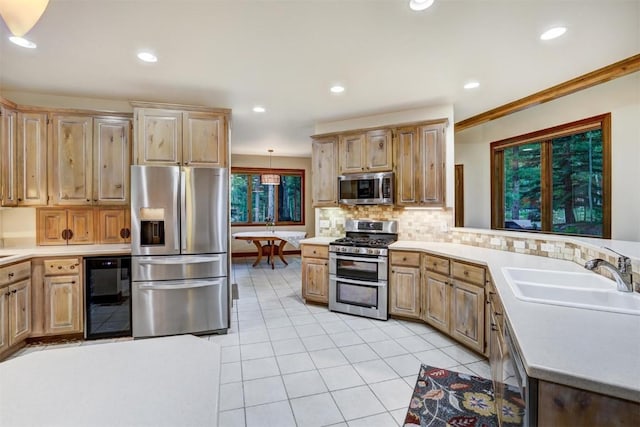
(275, 241)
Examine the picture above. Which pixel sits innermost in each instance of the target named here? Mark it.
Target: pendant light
(21, 16)
(270, 178)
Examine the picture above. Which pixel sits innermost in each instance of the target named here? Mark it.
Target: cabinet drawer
(15, 272)
(315, 251)
(437, 264)
(62, 266)
(405, 258)
(468, 273)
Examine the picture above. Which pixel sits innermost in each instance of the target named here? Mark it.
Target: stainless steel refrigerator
(179, 249)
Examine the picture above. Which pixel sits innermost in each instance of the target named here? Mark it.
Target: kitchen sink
(581, 290)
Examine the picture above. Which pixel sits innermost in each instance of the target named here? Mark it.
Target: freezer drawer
(179, 307)
(151, 268)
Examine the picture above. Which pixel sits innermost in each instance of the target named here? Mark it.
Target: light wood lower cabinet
(315, 273)
(404, 284)
(15, 306)
(437, 304)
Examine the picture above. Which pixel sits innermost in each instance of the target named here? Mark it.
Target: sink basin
(581, 290)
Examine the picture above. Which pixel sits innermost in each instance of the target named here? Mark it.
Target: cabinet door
(324, 176)
(111, 161)
(352, 149)
(204, 140)
(9, 167)
(112, 226)
(378, 151)
(80, 222)
(159, 137)
(405, 291)
(467, 321)
(315, 280)
(406, 167)
(496, 355)
(63, 304)
(70, 169)
(431, 162)
(437, 310)
(52, 227)
(4, 319)
(19, 311)
(32, 159)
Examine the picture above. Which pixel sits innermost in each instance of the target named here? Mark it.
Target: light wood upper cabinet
(366, 152)
(59, 226)
(71, 161)
(113, 226)
(111, 160)
(8, 153)
(180, 136)
(420, 165)
(32, 159)
(324, 177)
(204, 139)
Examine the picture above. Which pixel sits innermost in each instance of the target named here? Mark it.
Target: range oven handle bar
(360, 259)
(360, 282)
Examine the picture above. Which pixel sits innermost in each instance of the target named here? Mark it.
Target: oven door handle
(360, 282)
(363, 259)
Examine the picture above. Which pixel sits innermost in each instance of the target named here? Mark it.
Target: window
(556, 180)
(253, 203)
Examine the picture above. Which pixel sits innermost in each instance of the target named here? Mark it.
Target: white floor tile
(399, 415)
(326, 317)
(256, 351)
(436, 358)
(335, 327)
(358, 323)
(340, 377)
(480, 368)
(380, 420)
(309, 330)
(253, 336)
(414, 343)
(303, 384)
(259, 368)
(394, 394)
(276, 414)
(277, 322)
(328, 358)
(289, 346)
(357, 402)
(230, 373)
(233, 418)
(315, 411)
(342, 339)
(298, 362)
(230, 354)
(231, 396)
(463, 370)
(304, 319)
(372, 335)
(264, 390)
(461, 354)
(359, 353)
(438, 340)
(397, 331)
(387, 348)
(318, 342)
(375, 371)
(405, 364)
(282, 333)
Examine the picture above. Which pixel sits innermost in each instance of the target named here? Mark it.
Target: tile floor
(285, 363)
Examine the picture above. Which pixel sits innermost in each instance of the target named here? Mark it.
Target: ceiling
(285, 54)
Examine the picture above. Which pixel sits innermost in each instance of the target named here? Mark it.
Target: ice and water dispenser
(152, 223)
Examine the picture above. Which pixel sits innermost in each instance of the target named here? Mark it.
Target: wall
(620, 97)
(277, 162)
(18, 227)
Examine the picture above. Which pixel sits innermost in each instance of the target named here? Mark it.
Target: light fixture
(22, 42)
(21, 16)
(270, 178)
(259, 109)
(147, 56)
(471, 84)
(337, 89)
(552, 33)
(419, 5)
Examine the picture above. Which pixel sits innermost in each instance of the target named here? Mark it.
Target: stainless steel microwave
(366, 189)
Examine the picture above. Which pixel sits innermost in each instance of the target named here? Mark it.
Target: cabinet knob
(466, 273)
(59, 267)
(95, 200)
(404, 258)
(10, 275)
(72, 267)
(73, 282)
(19, 199)
(88, 200)
(14, 291)
(7, 294)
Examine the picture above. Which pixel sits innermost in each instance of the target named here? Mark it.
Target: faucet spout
(622, 275)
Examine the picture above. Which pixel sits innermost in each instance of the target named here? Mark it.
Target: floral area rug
(447, 398)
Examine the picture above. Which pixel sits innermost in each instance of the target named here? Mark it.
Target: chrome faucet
(621, 274)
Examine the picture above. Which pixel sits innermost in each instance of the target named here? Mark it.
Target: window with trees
(556, 180)
(253, 203)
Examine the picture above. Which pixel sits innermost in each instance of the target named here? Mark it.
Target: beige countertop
(11, 255)
(587, 349)
(318, 240)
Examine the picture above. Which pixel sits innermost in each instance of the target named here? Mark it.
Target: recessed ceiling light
(21, 41)
(419, 5)
(552, 33)
(337, 89)
(147, 57)
(471, 85)
(259, 109)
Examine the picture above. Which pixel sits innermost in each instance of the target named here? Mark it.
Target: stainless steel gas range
(359, 268)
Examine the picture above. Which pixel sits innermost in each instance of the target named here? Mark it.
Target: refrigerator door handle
(180, 285)
(192, 259)
(183, 211)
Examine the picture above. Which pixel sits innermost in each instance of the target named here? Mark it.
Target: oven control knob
(371, 251)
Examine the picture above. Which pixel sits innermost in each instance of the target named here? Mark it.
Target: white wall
(406, 116)
(620, 97)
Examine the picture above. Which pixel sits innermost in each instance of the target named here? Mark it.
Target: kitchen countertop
(318, 240)
(587, 349)
(11, 255)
